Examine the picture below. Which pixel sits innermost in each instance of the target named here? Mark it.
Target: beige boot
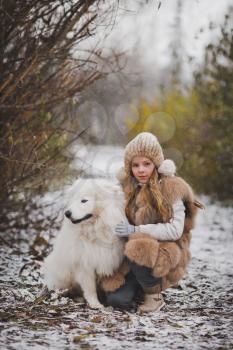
(152, 302)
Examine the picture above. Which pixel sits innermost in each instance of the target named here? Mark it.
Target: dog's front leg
(87, 282)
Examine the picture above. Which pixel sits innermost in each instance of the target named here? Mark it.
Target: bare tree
(44, 62)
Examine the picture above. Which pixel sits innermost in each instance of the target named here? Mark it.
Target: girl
(160, 208)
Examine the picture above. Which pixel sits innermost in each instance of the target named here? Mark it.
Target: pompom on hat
(147, 145)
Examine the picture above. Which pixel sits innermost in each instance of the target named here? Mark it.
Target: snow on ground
(198, 314)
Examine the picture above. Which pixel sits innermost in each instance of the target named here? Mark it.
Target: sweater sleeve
(170, 231)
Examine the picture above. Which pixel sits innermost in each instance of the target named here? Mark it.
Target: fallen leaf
(78, 338)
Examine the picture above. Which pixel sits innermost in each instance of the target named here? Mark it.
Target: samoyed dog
(87, 247)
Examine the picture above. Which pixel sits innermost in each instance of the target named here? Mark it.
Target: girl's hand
(123, 229)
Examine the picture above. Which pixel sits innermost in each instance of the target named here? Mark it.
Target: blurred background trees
(195, 124)
(214, 87)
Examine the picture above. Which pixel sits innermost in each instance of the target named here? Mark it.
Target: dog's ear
(113, 191)
(116, 188)
(118, 192)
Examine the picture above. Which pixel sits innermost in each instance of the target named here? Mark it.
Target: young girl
(160, 208)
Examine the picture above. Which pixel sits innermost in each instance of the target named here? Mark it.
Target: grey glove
(124, 230)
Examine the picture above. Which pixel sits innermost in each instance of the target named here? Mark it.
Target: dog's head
(80, 204)
(90, 199)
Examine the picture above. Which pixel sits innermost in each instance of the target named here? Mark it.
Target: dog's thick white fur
(86, 250)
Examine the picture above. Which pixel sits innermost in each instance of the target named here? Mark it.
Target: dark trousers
(138, 279)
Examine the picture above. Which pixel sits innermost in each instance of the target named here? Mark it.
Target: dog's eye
(83, 200)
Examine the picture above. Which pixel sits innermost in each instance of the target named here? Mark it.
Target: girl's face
(142, 168)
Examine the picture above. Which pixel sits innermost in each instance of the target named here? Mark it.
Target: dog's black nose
(68, 214)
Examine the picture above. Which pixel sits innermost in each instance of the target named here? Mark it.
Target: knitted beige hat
(147, 145)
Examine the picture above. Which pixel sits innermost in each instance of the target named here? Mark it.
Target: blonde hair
(155, 200)
(164, 208)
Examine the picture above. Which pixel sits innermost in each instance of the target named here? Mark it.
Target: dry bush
(44, 64)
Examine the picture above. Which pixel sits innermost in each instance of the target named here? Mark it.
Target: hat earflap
(167, 168)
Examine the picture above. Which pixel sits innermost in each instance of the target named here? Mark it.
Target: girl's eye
(83, 200)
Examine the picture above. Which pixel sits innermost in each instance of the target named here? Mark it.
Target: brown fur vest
(167, 259)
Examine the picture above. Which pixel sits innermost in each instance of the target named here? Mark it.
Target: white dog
(86, 246)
